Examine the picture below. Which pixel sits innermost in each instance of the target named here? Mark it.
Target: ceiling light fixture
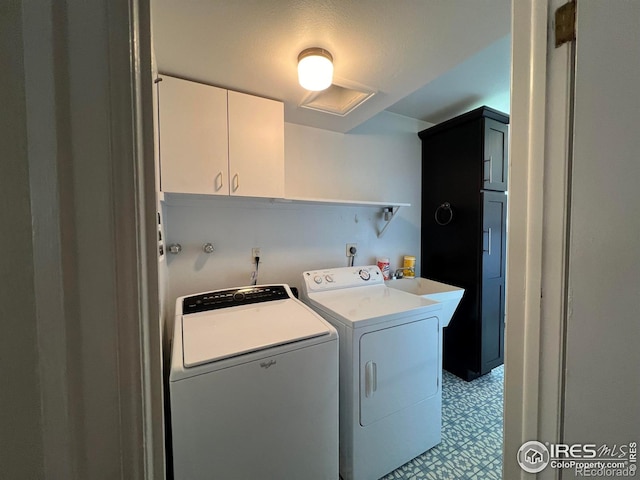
(315, 69)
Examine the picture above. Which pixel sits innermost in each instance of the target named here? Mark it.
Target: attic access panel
(337, 99)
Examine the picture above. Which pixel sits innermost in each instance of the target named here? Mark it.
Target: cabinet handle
(218, 181)
(370, 379)
(488, 232)
(236, 182)
(490, 162)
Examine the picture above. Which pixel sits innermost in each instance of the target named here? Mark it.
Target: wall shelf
(346, 203)
(389, 209)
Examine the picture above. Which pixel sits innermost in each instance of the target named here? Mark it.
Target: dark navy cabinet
(464, 213)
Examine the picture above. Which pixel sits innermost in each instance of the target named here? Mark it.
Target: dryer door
(398, 368)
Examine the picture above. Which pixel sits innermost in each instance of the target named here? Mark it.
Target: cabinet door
(493, 280)
(193, 137)
(495, 155)
(256, 146)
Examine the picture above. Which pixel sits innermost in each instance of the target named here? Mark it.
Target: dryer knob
(364, 274)
(317, 279)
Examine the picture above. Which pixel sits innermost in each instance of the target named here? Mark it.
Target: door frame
(537, 218)
(89, 151)
(532, 372)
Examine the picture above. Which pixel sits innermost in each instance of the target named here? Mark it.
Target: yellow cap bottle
(409, 266)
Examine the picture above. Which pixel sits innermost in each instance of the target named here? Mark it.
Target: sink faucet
(399, 273)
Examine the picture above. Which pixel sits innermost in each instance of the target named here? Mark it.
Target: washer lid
(214, 335)
(372, 304)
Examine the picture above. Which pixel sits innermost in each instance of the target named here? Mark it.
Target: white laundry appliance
(253, 387)
(390, 368)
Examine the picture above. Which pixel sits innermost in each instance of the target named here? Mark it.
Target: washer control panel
(345, 277)
(233, 297)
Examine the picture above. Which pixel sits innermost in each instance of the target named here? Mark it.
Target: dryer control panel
(233, 297)
(345, 277)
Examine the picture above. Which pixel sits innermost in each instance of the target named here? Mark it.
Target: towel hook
(446, 206)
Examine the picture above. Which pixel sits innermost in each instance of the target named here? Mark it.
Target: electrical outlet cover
(348, 249)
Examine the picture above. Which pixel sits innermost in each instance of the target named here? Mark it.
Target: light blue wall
(379, 161)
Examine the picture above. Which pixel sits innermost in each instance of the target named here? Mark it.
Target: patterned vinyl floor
(471, 447)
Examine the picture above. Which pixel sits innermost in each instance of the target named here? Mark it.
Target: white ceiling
(427, 59)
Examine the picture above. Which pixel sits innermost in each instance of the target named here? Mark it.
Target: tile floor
(471, 447)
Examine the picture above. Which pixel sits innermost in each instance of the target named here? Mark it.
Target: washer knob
(364, 274)
(239, 296)
(328, 278)
(317, 279)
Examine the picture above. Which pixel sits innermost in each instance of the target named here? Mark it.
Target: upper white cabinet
(256, 146)
(194, 153)
(214, 141)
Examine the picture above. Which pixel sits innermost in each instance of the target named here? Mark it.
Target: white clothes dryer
(390, 368)
(253, 387)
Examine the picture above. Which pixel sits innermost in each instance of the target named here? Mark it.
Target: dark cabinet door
(491, 326)
(495, 160)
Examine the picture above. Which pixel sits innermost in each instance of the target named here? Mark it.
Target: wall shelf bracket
(388, 214)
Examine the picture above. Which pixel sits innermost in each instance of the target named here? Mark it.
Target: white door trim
(89, 144)
(525, 224)
(540, 138)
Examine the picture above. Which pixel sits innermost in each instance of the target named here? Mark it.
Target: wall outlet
(255, 252)
(352, 249)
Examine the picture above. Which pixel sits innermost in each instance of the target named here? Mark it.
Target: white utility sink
(448, 295)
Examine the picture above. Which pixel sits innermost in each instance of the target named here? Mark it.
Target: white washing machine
(253, 387)
(390, 368)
